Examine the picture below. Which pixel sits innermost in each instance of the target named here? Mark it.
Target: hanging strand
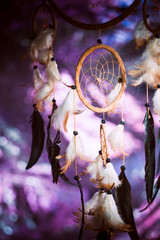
(75, 132)
(147, 100)
(122, 117)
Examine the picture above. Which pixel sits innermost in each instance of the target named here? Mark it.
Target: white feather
(59, 114)
(156, 101)
(52, 73)
(110, 176)
(116, 137)
(94, 202)
(140, 31)
(114, 93)
(42, 41)
(38, 79)
(44, 92)
(95, 168)
(70, 151)
(112, 217)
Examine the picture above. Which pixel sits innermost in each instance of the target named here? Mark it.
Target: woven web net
(99, 74)
(153, 10)
(44, 19)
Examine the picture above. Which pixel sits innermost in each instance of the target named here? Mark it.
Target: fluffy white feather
(148, 69)
(92, 204)
(112, 217)
(110, 176)
(156, 101)
(95, 168)
(71, 154)
(114, 93)
(42, 41)
(45, 90)
(38, 79)
(116, 137)
(52, 73)
(59, 114)
(141, 33)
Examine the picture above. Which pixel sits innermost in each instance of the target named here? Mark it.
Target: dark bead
(147, 105)
(122, 122)
(75, 133)
(50, 26)
(35, 67)
(54, 100)
(52, 59)
(73, 87)
(34, 105)
(109, 192)
(49, 116)
(76, 177)
(158, 86)
(120, 80)
(123, 168)
(108, 160)
(147, 15)
(99, 41)
(100, 152)
(103, 121)
(156, 35)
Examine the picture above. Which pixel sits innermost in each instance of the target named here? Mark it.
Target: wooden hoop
(78, 70)
(144, 7)
(48, 7)
(100, 26)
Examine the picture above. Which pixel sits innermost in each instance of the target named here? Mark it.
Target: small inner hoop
(43, 18)
(151, 15)
(97, 73)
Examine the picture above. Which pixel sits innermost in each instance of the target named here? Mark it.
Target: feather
(156, 101)
(42, 41)
(124, 203)
(52, 73)
(53, 150)
(110, 177)
(116, 137)
(112, 217)
(141, 34)
(44, 92)
(156, 189)
(114, 93)
(73, 151)
(148, 69)
(38, 79)
(38, 136)
(149, 153)
(59, 115)
(95, 168)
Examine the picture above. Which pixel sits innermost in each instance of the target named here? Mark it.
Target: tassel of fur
(38, 137)
(38, 79)
(114, 93)
(110, 177)
(124, 203)
(141, 34)
(156, 101)
(60, 116)
(116, 137)
(73, 151)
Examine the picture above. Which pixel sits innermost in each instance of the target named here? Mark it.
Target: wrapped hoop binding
(94, 79)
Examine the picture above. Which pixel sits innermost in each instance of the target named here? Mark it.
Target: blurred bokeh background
(31, 206)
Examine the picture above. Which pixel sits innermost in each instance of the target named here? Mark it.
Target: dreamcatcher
(147, 70)
(100, 83)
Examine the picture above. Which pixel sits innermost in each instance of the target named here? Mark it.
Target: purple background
(31, 207)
